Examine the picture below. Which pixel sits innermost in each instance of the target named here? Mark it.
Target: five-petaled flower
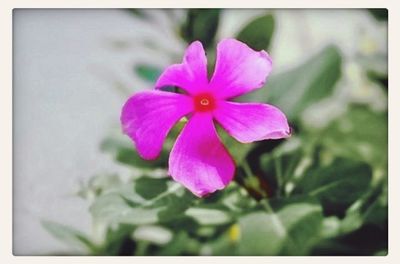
(198, 159)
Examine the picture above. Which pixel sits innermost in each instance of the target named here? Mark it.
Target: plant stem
(247, 169)
(278, 173)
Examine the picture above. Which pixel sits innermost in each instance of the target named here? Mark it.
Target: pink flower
(198, 159)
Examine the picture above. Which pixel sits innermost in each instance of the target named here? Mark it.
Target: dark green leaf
(129, 156)
(338, 185)
(295, 90)
(224, 245)
(177, 246)
(123, 149)
(367, 240)
(277, 168)
(174, 204)
(118, 242)
(201, 24)
(380, 14)
(371, 209)
(374, 207)
(150, 188)
(379, 77)
(377, 213)
(359, 134)
(125, 153)
(258, 33)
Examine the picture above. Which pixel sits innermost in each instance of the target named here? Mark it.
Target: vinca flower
(198, 159)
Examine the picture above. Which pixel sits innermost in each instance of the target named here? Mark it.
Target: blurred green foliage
(258, 33)
(321, 192)
(201, 24)
(147, 72)
(380, 14)
(295, 90)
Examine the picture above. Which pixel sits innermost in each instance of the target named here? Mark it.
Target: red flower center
(204, 102)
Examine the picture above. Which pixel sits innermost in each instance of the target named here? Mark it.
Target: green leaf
(124, 205)
(112, 208)
(223, 245)
(260, 235)
(377, 213)
(366, 240)
(117, 242)
(258, 33)
(181, 245)
(152, 233)
(208, 216)
(201, 24)
(123, 149)
(69, 235)
(303, 222)
(177, 246)
(147, 72)
(125, 153)
(381, 78)
(295, 90)
(338, 185)
(97, 185)
(359, 134)
(371, 209)
(136, 12)
(150, 188)
(381, 14)
(286, 228)
(129, 156)
(174, 204)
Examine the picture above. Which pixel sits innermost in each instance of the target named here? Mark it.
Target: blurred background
(80, 188)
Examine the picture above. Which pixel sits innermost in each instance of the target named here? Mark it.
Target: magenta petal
(239, 69)
(191, 74)
(248, 122)
(198, 159)
(148, 116)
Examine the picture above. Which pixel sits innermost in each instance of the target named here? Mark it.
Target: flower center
(204, 102)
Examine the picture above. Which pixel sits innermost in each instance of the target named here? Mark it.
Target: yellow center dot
(204, 102)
